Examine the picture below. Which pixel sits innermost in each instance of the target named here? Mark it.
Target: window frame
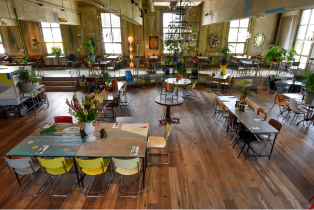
(300, 55)
(45, 43)
(111, 27)
(163, 35)
(237, 42)
(1, 44)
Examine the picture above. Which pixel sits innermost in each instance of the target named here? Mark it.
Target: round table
(182, 81)
(169, 103)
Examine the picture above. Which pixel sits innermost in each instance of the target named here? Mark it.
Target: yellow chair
(127, 168)
(57, 166)
(155, 142)
(191, 88)
(94, 167)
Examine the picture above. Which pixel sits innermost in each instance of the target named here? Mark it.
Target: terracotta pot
(106, 88)
(223, 62)
(114, 84)
(180, 76)
(166, 87)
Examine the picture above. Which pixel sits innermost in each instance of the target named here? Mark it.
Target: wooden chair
(251, 105)
(283, 104)
(262, 111)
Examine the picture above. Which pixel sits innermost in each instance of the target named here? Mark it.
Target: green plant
(105, 75)
(309, 81)
(245, 92)
(89, 46)
(174, 46)
(23, 74)
(34, 78)
(224, 50)
(56, 50)
(87, 111)
(182, 70)
(25, 58)
(274, 52)
(290, 55)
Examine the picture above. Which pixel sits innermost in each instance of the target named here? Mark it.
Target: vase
(26, 87)
(166, 87)
(175, 58)
(92, 58)
(89, 130)
(114, 84)
(180, 76)
(167, 72)
(35, 85)
(308, 98)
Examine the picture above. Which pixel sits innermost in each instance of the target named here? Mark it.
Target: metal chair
(57, 166)
(155, 142)
(24, 166)
(194, 75)
(294, 88)
(71, 60)
(94, 167)
(293, 106)
(262, 111)
(124, 119)
(127, 168)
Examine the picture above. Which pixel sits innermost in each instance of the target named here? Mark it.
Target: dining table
(164, 101)
(252, 122)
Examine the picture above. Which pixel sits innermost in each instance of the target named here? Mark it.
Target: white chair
(24, 166)
(124, 119)
(128, 167)
(293, 106)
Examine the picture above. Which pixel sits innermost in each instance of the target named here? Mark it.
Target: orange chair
(33, 58)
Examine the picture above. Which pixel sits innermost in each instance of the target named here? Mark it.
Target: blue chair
(129, 76)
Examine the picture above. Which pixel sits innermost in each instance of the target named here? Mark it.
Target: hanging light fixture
(131, 64)
(130, 39)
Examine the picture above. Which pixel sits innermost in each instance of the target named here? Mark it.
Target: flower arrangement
(23, 74)
(87, 110)
(56, 50)
(35, 41)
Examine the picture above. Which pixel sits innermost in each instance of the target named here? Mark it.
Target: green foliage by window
(274, 52)
(89, 46)
(290, 55)
(56, 50)
(224, 50)
(309, 81)
(11, 37)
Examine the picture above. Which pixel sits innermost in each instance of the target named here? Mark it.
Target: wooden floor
(204, 171)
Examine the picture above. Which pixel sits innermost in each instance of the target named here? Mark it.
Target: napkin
(42, 149)
(134, 150)
(254, 128)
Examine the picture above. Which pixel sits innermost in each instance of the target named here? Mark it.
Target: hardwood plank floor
(204, 171)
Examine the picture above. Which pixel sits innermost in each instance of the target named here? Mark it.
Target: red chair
(63, 119)
(81, 59)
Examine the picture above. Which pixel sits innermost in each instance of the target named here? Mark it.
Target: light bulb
(131, 64)
(131, 48)
(131, 56)
(130, 39)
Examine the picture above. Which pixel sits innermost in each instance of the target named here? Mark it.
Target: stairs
(56, 84)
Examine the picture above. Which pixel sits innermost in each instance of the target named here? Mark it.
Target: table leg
(272, 148)
(76, 171)
(144, 170)
(168, 117)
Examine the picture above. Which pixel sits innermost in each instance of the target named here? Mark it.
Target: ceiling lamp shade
(131, 64)
(130, 39)
(131, 48)
(131, 57)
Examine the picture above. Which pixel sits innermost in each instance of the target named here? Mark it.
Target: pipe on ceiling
(150, 5)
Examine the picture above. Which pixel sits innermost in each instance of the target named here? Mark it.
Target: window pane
(312, 17)
(105, 19)
(49, 45)
(0, 39)
(43, 24)
(47, 35)
(303, 62)
(305, 16)
(244, 22)
(115, 20)
(167, 18)
(108, 48)
(107, 34)
(116, 35)
(240, 48)
(296, 58)
(1, 49)
(116, 48)
(56, 34)
(55, 25)
(301, 32)
(242, 35)
(310, 31)
(232, 47)
(298, 46)
(234, 23)
(306, 48)
(233, 33)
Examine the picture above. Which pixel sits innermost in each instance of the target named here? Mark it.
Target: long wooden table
(247, 118)
(66, 142)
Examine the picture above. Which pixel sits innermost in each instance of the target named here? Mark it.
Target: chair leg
(150, 163)
(139, 188)
(241, 150)
(20, 194)
(61, 196)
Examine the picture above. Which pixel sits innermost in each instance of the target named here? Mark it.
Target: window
(52, 35)
(302, 45)
(166, 19)
(1, 47)
(237, 35)
(111, 31)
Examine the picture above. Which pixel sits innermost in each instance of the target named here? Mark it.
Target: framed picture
(153, 42)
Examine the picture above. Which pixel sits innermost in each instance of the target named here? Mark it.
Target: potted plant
(309, 84)
(25, 80)
(86, 112)
(35, 81)
(25, 58)
(166, 85)
(105, 76)
(56, 50)
(174, 47)
(245, 93)
(274, 54)
(90, 45)
(224, 50)
(291, 53)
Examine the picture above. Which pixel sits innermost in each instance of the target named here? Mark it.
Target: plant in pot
(90, 45)
(166, 86)
(181, 71)
(290, 55)
(86, 112)
(309, 84)
(56, 50)
(174, 47)
(224, 58)
(24, 58)
(25, 80)
(274, 54)
(35, 81)
(245, 93)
